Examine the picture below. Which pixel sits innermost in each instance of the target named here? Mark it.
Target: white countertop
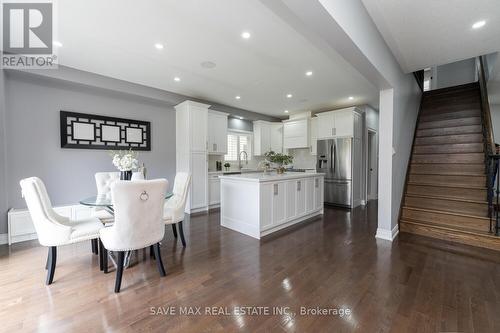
(261, 177)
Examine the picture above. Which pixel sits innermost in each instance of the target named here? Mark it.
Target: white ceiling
(426, 33)
(116, 38)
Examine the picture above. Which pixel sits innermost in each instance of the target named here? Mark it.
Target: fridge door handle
(334, 157)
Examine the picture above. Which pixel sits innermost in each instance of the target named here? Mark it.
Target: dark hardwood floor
(412, 285)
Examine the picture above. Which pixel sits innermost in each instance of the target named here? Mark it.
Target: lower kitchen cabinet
(213, 190)
(258, 204)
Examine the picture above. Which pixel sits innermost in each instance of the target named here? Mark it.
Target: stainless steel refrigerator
(335, 161)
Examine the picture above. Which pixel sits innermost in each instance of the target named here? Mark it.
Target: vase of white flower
(125, 175)
(125, 161)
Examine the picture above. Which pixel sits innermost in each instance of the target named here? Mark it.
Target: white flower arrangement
(125, 160)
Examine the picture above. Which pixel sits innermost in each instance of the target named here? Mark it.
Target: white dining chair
(173, 209)
(138, 222)
(103, 181)
(52, 229)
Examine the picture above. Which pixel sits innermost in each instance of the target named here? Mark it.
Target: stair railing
(492, 159)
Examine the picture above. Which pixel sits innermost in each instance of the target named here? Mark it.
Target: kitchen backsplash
(302, 158)
(253, 163)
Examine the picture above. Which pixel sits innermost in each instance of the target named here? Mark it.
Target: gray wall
(495, 118)
(239, 124)
(33, 105)
(3, 162)
(456, 73)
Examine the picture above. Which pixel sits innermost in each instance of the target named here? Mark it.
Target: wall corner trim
(388, 235)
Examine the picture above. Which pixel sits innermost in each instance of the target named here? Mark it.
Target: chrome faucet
(239, 159)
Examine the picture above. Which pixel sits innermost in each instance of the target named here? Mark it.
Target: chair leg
(48, 259)
(159, 263)
(119, 270)
(104, 253)
(181, 231)
(151, 252)
(51, 264)
(94, 246)
(101, 259)
(174, 229)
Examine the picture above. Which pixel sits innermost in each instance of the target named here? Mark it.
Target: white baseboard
(4, 239)
(385, 234)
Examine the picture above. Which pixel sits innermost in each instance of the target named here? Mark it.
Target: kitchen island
(259, 204)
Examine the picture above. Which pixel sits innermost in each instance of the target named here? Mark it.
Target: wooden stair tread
(447, 213)
(448, 169)
(432, 132)
(454, 236)
(445, 198)
(464, 186)
(449, 228)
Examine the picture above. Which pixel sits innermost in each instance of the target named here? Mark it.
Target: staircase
(446, 193)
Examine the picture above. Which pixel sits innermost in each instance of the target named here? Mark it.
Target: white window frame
(239, 133)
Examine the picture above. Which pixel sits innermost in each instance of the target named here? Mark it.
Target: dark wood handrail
(485, 107)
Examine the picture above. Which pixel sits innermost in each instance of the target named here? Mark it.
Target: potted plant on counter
(280, 160)
(227, 166)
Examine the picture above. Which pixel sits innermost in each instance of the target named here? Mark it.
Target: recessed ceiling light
(351, 98)
(177, 79)
(245, 35)
(241, 118)
(57, 43)
(289, 95)
(238, 97)
(159, 46)
(309, 73)
(286, 111)
(479, 24)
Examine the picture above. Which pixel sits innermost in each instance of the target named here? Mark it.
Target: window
(236, 143)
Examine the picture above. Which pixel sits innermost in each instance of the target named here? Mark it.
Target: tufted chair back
(138, 215)
(104, 180)
(52, 229)
(174, 207)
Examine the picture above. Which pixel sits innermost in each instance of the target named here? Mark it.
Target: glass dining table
(106, 203)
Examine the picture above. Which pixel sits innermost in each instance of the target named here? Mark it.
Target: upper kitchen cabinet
(296, 133)
(277, 137)
(261, 137)
(314, 135)
(340, 123)
(217, 132)
(191, 124)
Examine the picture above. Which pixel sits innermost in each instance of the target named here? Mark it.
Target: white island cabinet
(259, 204)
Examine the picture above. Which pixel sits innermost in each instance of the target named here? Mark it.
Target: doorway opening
(372, 174)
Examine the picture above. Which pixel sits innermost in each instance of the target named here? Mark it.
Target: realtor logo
(27, 35)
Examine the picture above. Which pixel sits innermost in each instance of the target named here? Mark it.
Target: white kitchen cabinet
(326, 125)
(261, 137)
(318, 193)
(314, 135)
(217, 132)
(296, 133)
(213, 190)
(291, 195)
(338, 123)
(277, 137)
(344, 123)
(271, 203)
(309, 190)
(279, 203)
(191, 119)
(301, 197)
(199, 184)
